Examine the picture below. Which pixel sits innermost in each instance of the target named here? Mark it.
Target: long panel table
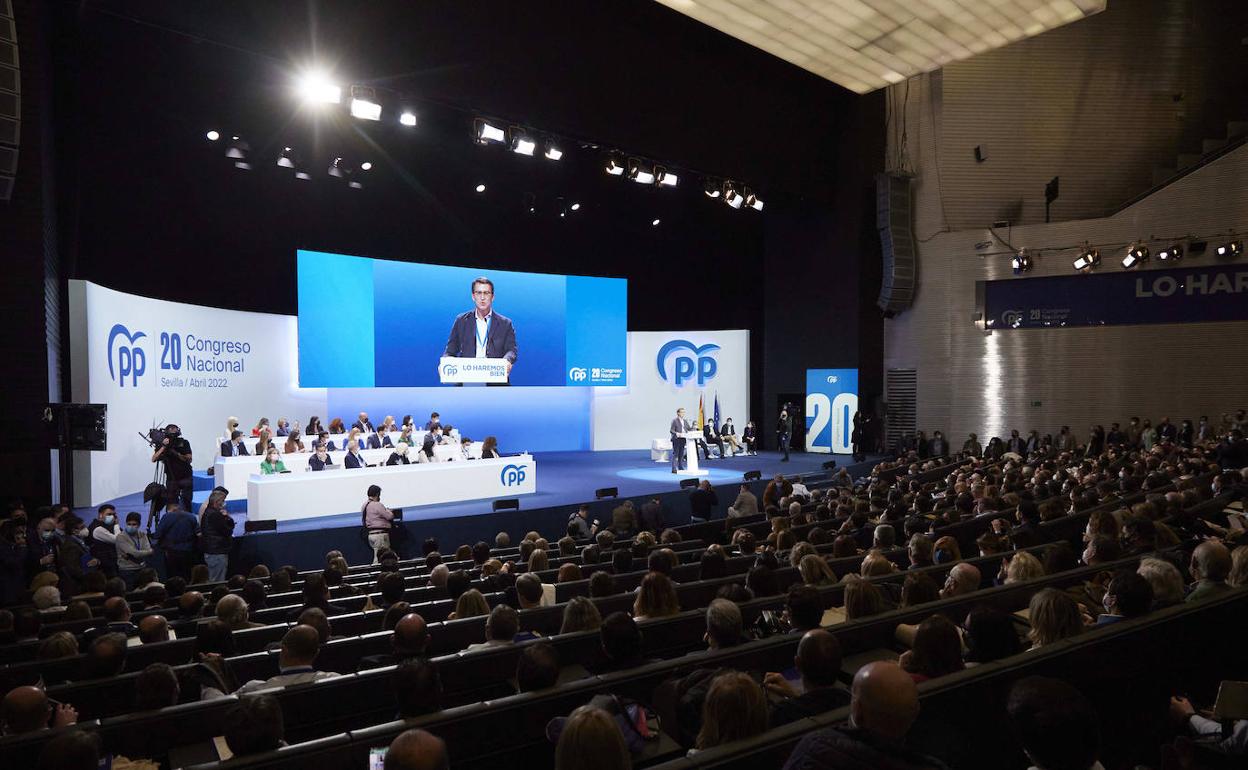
(288, 496)
(233, 472)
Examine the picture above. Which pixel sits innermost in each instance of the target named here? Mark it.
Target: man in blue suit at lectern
(482, 332)
(678, 430)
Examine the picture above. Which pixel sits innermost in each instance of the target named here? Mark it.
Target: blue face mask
(110, 520)
(132, 529)
(940, 557)
(46, 534)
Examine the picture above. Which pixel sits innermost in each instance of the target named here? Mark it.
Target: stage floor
(565, 478)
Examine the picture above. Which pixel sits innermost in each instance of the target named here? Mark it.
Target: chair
(510, 503)
(606, 492)
(688, 483)
(753, 475)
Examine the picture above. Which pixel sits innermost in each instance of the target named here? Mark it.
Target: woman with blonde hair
(471, 604)
(815, 571)
(862, 599)
(1022, 567)
(538, 560)
(656, 598)
(580, 614)
(946, 550)
(1054, 616)
(591, 740)
(265, 442)
(1238, 578)
(231, 425)
(735, 709)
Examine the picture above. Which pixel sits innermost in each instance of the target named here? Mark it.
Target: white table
(233, 472)
(691, 455)
(289, 496)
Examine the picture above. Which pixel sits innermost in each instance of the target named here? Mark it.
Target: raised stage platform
(567, 479)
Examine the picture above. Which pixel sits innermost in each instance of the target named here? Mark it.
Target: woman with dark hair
(580, 614)
(489, 448)
(762, 581)
(917, 589)
(735, 708)
(313, 428)
(1054, 616)
(862, 599)
(844, 546)
(990, 635)
(937, 650)
(1059, 557)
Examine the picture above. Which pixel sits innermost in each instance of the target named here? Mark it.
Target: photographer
(175, 452)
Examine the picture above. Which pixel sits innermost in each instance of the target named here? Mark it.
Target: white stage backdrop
(667, 370)
(154, 362)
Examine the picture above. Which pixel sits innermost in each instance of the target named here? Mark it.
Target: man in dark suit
(481, 332)
(784, 430)
(711, 436)
(362, 424)
(380, 439)
(353, 458)
(234, 447)
(678, 428)
(938, 447)
(1016, 444)
(435, 420)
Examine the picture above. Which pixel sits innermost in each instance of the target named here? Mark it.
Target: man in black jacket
(234, 446)
(216, 536)
(702, 501)
(818, 662)
(408, 642)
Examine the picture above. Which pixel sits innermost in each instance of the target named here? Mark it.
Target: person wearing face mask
(353, 459)
(133, 550)
(41, 548)
(272, 462)
(102, 539)
(320, 459)
(74, 557)
(12, 560)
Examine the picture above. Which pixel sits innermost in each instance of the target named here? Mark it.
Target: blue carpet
(564, 479)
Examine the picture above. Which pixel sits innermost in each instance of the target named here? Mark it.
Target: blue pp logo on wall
(131, 361)
(577, 374)
(831, 400)
(512, 475)
(698, 363)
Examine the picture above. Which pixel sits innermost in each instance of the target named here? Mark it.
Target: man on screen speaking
(482, 332)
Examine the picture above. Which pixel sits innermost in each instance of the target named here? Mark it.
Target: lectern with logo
(472, 370)
(691, 455)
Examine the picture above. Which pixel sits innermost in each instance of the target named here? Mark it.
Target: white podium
(474, 370)
(691, 455)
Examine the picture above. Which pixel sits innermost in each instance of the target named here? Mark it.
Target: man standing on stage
(784, 430)
(678, 430)
(482, 332)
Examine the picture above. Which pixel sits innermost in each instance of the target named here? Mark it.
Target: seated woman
(353, 458)
(260, 427)
(389, 424)
(336, 426)
(283, 426)
(489, 448)
(266, 441)
(294, 443)
(399, 455)
(405, 436)
(320, 459)
(937, 650)
(314, 426)
(749, 436)
(425, 455)
(272, 462)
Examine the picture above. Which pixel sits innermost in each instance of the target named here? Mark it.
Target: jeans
(217, 564)
(378, 541)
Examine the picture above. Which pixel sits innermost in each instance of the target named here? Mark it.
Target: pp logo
(577, 374)
(450, 370)
(1012, 318)
(832, 378)
(700, 364)
(512, 475)
(130, 359)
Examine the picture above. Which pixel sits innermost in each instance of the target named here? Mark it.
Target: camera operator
(175, 452)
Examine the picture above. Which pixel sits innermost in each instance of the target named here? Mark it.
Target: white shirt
(483, 326)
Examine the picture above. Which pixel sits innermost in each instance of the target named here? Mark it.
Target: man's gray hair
(232, 610)
(885, 536)
(723, 622)
(1164, 577)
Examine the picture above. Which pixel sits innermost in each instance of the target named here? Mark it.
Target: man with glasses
(482, 332)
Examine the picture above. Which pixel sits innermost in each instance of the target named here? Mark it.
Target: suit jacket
(500, 342)
(709, 434)
(746, 504)
(353, 461)
(376, 442)
(227, 449)
(363, 427)
(315, 463)
(679, 426)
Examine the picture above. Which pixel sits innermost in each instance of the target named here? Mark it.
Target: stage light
(303, 175)
(364, 104)
(237, 149)
(286, 158)
(752, 200)
(480, 188)
(552, 152)
(408, 118)
(655, 223)
(242, 164)
(1021, 262)
(1087, 259)
(640, 172)
(1135, 255)
(732, 197)
(615, 165)
(1171, 253)
(711, 188)
(575, 207)
(337, 168)
(521, 143)
(355, 185)
(316, 88)
(487, 132)
(213, 135)
(665, 178)
(1230, 249)
(366, 166)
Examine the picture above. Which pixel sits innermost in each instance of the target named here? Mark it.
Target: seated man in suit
(320, 459)
(353, 458)
(362, 424)
(435, 420)
(711, 436)
(482, 332)
(322, 439)
(300, 646)
(380, 439)
(234, 447)
(728, 432)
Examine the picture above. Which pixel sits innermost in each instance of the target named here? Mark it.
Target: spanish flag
(701, 414)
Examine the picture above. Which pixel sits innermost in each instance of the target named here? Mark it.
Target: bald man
(962, 579)
(191, 604)
(1211, 563)
(417, 750)
(298, 652)
(27, 710)
(883, 706)
(153, 628)
(408, 642)
(818, 662)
